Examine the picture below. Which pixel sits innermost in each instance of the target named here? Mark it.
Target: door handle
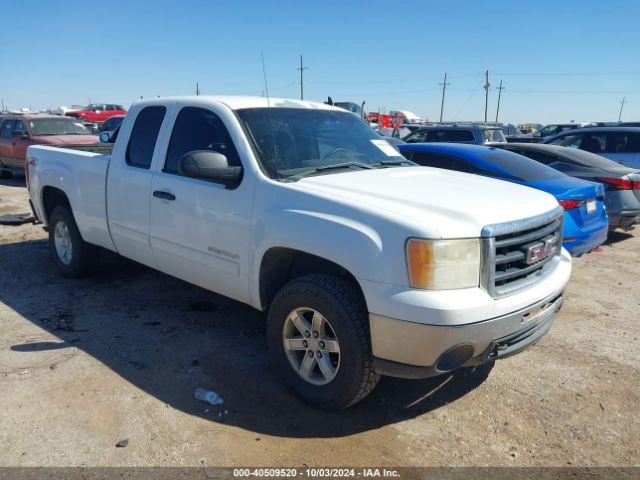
(164, 195)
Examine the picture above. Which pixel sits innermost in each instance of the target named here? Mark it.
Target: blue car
(585, 218)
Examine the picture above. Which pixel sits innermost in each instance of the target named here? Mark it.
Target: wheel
(6, 174)
(73, 256)
(318, 335)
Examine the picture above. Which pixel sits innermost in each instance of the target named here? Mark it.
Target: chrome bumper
(413, 350)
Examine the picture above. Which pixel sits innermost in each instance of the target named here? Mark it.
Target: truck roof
(238, 102)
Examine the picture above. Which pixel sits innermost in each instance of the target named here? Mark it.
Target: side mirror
(105, 137)
(211, 166)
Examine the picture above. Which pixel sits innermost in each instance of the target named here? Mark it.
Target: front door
(200, 230)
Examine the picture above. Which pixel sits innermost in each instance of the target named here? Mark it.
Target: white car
(367, 264)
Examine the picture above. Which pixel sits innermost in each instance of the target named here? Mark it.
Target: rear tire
(73, 256)
(349, 375)
(6, 174)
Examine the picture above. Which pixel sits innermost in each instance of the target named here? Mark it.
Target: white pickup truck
(367, 264)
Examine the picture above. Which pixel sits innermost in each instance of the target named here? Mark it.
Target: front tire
(73, 256)
(319, 338)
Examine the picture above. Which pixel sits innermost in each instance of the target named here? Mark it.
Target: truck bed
(82, 176)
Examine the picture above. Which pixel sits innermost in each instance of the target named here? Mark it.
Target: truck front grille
(518, 254)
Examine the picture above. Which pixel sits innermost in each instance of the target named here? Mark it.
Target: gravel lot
(87, 363)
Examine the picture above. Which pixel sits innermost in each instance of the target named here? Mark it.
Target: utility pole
(302, 69)
(486, 94)
(444, 89)
(197, 88)
(500, 88)
(624, 99)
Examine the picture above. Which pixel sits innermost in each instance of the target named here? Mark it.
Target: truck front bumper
(421, 351)
(420, 333)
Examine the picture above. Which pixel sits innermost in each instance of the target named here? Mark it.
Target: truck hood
(435, 203)
(66, 139)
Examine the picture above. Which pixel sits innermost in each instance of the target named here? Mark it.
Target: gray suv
(474, 134)
(620, 144)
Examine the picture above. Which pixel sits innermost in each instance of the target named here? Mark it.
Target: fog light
(455, 357)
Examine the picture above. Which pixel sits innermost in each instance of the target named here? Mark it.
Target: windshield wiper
(393, 162)
(338, 166)
(326, 168)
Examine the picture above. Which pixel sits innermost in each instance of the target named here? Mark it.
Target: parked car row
(18, 132)
(585, 218)
(572, 153)
(457, 133)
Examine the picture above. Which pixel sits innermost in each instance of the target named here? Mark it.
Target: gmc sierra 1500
(367, 264)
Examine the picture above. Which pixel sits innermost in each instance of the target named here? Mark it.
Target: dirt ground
(87, 363)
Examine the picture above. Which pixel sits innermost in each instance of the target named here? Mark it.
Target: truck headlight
(443, 264)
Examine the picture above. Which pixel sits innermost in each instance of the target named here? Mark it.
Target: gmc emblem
(540, 250)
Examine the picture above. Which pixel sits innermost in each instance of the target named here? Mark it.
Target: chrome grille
(506, 268)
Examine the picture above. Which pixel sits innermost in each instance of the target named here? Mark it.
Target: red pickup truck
(97, 112)
(18, 132)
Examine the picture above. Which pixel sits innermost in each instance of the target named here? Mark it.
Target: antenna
(273, 137)
(624, 100)
(444, 84)
(264, 75)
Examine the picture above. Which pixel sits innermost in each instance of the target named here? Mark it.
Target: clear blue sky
(559, 60)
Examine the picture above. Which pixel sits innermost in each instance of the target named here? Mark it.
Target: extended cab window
(198, 129)
(144, 135)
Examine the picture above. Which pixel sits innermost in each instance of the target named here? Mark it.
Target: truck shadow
(167, 338)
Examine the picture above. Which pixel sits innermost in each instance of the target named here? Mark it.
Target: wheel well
(280, 265)
(51, 198)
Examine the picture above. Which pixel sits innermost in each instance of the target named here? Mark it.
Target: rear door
(129, 182)
(199, 229)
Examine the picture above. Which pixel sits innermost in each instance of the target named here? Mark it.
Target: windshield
(296, 141)
(57, 126)
(520, 167)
